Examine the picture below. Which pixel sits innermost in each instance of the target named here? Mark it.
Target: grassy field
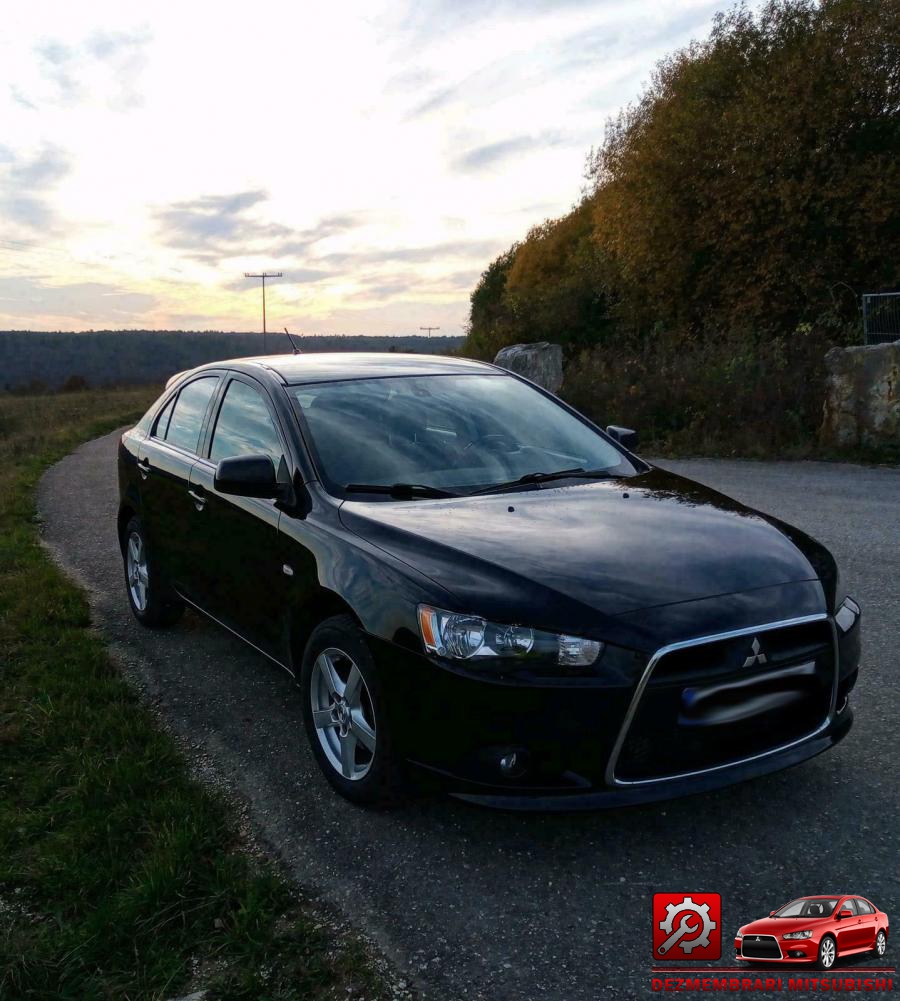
(120, 876)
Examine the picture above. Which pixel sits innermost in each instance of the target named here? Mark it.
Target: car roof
(337, 365)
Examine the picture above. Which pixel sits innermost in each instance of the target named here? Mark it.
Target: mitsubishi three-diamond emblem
(756, 655)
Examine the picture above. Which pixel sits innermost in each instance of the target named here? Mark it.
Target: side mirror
(247, 476)
(624, 436)
(771, 914)
(845, 914)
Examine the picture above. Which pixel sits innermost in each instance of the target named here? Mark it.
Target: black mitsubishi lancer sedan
(474, 584)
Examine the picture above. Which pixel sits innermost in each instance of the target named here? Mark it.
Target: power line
(264, 275)
(429, 329)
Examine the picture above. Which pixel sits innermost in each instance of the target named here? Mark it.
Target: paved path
(482, 905)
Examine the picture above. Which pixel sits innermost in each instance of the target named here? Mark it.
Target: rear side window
(244, 426)
(186, 421)
(162, 422)
(864, 907)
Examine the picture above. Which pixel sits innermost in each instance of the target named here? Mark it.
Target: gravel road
(483, 905)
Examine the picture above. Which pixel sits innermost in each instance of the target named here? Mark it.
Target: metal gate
(881, 317)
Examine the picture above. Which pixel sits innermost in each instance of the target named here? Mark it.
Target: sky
(380, 154)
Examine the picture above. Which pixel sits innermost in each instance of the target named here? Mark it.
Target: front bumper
(458, 728)
(797, 950)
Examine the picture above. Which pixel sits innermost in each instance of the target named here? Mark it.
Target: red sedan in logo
(814, 930)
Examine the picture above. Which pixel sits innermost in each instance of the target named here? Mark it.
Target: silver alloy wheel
(880, 943)
(827, 953)
(136, 571)
(343, 714)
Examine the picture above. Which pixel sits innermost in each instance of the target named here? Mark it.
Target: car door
(866, 924)
(847, 928)
(235, 539)
(165, 459)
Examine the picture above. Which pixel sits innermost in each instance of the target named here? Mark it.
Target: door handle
(143, 468)
(199, 498)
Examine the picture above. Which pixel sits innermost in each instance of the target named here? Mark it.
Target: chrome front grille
(698, 704)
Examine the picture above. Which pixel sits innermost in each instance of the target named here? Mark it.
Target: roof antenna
(294, 349)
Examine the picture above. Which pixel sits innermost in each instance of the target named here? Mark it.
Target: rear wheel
(151, 602)
(880, 944)
(344, 713)
(827, 953)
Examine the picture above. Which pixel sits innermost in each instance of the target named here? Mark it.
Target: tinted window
(244, 426)
(454, 432)
(162, 422)
(190, 409)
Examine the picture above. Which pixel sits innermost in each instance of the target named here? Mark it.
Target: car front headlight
(469, 637)
(740, 933)
(797, 934)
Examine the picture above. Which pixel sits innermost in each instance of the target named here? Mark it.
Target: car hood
(611, 546)
(781, 926)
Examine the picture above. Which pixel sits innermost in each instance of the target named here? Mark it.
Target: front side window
(186, 421)
(849, 905)
(244, 426)
(451, 432)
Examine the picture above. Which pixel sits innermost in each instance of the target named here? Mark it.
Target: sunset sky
(378, 153)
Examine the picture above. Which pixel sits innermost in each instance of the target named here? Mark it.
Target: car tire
(344, 712)
(880, 944)
(827, 955)
(152, 602)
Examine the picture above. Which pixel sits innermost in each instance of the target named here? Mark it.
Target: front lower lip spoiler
(638, 794)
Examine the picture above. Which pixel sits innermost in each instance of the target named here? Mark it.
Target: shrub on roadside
(734, 393)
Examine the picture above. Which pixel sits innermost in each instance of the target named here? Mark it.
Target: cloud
(21, 99)
(92, 302)
(215, 226)
(420, 21)
(296, 276)
(489, 155)
(106, 65)
(302, 241)
(435, 253)
(212, 227)
(27, 182)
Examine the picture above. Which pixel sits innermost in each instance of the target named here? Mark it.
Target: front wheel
(827, 953)
(150, 602)
(344, 713)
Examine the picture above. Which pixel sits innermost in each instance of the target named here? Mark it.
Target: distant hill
(38, 360)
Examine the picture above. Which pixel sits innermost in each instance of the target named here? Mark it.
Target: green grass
(121, 877)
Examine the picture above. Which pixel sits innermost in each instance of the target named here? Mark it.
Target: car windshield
(808, 907)
(451, 433)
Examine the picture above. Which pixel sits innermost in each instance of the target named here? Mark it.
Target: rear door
(165, 459)
(866, 924)
(235, 539)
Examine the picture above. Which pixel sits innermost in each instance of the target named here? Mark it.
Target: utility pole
(429, 329)
(264, 275)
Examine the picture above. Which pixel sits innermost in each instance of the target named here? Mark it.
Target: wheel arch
(323, 604)
(127, 511)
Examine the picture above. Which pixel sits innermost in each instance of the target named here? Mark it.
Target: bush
(732, 394)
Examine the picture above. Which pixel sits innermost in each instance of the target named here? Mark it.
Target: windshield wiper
(401, 491)
(561, 474)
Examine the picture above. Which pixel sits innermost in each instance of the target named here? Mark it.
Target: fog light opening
(797, 954)
(513, 763)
